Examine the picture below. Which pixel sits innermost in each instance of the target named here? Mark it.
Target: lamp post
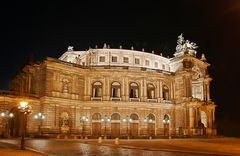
(39, 116)
(83, 120)
(105, 119)
(127, 120)
(148, 120)
(25, 109)
(7, 115)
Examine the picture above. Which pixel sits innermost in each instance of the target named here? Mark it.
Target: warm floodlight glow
(2, 114)
(11, 115)
(43, 117)
(23, 104)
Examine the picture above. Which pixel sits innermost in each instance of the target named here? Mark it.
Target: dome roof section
(117, 57)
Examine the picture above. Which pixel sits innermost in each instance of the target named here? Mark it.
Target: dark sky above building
(47, 29)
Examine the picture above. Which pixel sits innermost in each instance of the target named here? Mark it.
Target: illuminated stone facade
(142, 94)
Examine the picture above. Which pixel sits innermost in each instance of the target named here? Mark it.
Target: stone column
(127, 89)
(209, 118)
(94, 92)
(157, 90)
(191, 117)
(196, 117)
(118, 92)
(171, 91)
(123, 90)
(144, 90)
(208, 93)
(161, 91)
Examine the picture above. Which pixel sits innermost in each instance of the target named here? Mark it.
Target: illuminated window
(147, 62)
(150, 91)
(125, 59)
(114, 58)
(165, 92)
(137, 61)
(134, 90)
(102, 58)
(97, 89)
(116, 89)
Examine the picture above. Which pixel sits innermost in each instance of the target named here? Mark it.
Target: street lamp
(105, 119)
(7, 115)
(83, 120)
(40, 116)
(25, 109)
(148, 120)
(127, 120)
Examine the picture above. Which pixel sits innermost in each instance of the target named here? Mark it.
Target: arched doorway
(203, 124)
(96, 124)
(134, 125)
(166, 121)
(115, 125)
(151, 125)
(204, 118)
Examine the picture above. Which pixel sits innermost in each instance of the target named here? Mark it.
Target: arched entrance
(96, 124)
(151, 124)
(134, 125)
(203, 124)
(115, 125)
(166, 121)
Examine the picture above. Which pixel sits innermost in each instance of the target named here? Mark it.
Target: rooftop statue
(70, 48)
(185, 44)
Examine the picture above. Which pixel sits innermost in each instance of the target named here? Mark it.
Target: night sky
(47, 29)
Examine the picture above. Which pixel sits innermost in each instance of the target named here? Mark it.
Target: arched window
(115, 116)
(150, 91)
(151, 117)
(116, 89)
(97, 89)
(134, 116)
(134, 90)
(96, 116)
(165, 93)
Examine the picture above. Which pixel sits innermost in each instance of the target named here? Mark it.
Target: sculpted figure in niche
(65, 122)
(65, 85)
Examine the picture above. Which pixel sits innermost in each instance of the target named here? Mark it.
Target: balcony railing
(115, 99)
(96, 98)
(152, 100)
(134, 99)
(167, 101)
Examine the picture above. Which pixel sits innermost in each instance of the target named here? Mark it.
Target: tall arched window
(150, 91)
(134, 90)
(165, 93)
(97, 89)
(116, 90)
